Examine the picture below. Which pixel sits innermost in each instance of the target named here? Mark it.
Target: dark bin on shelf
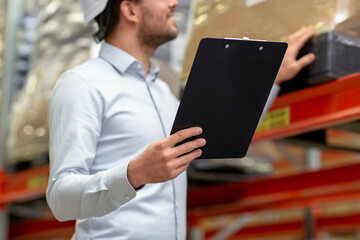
(337, 55)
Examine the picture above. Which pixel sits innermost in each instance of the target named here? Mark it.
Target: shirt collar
(122, 61)
(154, 70)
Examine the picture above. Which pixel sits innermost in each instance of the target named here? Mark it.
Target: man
(113, 166)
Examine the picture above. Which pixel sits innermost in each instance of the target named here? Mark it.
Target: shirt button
(127, 197)
(139, 66)
(106, 211)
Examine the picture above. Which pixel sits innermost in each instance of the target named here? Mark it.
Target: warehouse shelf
(24, 185)
(302, 111)
(307, 190)
(303, 189)
(296, 228)
(313, 108)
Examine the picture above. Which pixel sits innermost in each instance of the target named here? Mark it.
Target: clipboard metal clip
(246, 38)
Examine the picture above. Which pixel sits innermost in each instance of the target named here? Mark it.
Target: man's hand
(162, 161)
(290, 67)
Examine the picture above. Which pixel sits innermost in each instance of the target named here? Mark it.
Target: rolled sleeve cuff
(275, 89)
(118, 185)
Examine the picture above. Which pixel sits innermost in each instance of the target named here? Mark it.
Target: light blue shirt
(101, 115)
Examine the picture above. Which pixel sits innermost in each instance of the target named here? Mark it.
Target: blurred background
(301, 176)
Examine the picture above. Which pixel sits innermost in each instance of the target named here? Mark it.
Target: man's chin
(174, 28)
(172, 34)
(175, 35)
(169, 38)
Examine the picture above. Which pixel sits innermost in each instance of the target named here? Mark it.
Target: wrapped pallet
(268, 19)
(61, 42)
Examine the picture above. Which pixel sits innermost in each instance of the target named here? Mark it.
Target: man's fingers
(299, 38)
(180, 170)
(188, 146)
(305, 60)
(302, 34)
(184, 134)
(185, 160)
(298, 33)
(307, 34)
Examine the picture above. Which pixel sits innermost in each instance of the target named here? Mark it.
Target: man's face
(157, 25)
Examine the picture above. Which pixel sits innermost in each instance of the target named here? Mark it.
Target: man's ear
(130, 11)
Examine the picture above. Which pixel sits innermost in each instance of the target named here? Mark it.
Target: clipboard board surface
(227, 89)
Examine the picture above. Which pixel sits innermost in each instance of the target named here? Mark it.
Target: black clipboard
(228, 86)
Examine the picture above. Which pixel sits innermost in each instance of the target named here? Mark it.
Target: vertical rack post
(13, 15)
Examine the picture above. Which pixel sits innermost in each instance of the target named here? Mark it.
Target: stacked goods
(62, 42)
(268, 19)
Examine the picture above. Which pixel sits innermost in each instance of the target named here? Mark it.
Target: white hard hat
(92, 8)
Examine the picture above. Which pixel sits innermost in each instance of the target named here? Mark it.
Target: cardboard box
(270, 19)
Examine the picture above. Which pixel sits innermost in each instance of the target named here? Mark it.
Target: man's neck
(139, 51)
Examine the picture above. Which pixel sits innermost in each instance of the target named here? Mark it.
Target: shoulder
(91, 69)
(88, 75)
(77, 84)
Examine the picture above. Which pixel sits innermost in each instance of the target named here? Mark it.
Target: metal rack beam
(313, 108)
(308, 190)
(334, 224)
(303, 189)
(13, 13)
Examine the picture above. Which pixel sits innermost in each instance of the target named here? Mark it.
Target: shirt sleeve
(271, 99)
(75, 110)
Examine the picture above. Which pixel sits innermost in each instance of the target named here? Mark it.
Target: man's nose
(174, 3)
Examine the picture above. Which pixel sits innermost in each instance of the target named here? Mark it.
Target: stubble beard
(152, 36)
